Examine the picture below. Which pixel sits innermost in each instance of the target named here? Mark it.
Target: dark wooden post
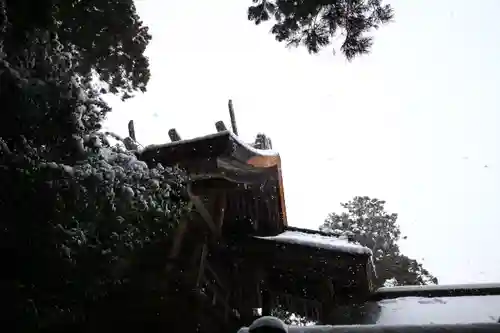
(265, 292)
(220, 126)
(232, 116)
(266, 301)
(131, 130)
(174, 135)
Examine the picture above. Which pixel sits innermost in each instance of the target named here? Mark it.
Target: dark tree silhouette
(106, 39)
(77, 214)
(315, 23)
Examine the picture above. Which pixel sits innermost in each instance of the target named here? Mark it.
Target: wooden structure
(236, 250)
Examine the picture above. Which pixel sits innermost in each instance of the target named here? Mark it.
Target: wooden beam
(300, 305)
(201, 267)
(220, 126)
(208, 278)
(213, 186)
(180, 232)
(174, 135)
(202, 210)
(232, 116)
(219, 210)
(219, 296)
(131, 130)
(178, 238)
(330, 288)
(216, 277)
(266, 302)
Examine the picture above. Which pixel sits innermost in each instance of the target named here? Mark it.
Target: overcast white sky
(414, 123)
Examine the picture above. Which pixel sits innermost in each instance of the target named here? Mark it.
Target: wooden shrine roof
(306, 251)
(221, 162)
(301, 264)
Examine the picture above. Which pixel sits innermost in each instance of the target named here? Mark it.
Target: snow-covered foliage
(86, 223)
(392, 282)
(77, 212)
(290, 318)
(365, 220)
(51, 106)
(142, 203)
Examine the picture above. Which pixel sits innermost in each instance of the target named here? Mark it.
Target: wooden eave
(221, 163)
(320, 273)
(224, 146)
(301, 259)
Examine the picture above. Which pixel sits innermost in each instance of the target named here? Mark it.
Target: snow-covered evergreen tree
(77, 213)
(367, 221)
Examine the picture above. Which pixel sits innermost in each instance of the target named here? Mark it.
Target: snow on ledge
(440, 287)
(439, 310)
(319, 241)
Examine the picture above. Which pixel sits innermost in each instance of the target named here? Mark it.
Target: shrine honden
(235, 254)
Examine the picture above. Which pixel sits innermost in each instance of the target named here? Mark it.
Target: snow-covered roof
(438, 310)
(261, 152)
(419, 311)
(440, 287)
(319, 241)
